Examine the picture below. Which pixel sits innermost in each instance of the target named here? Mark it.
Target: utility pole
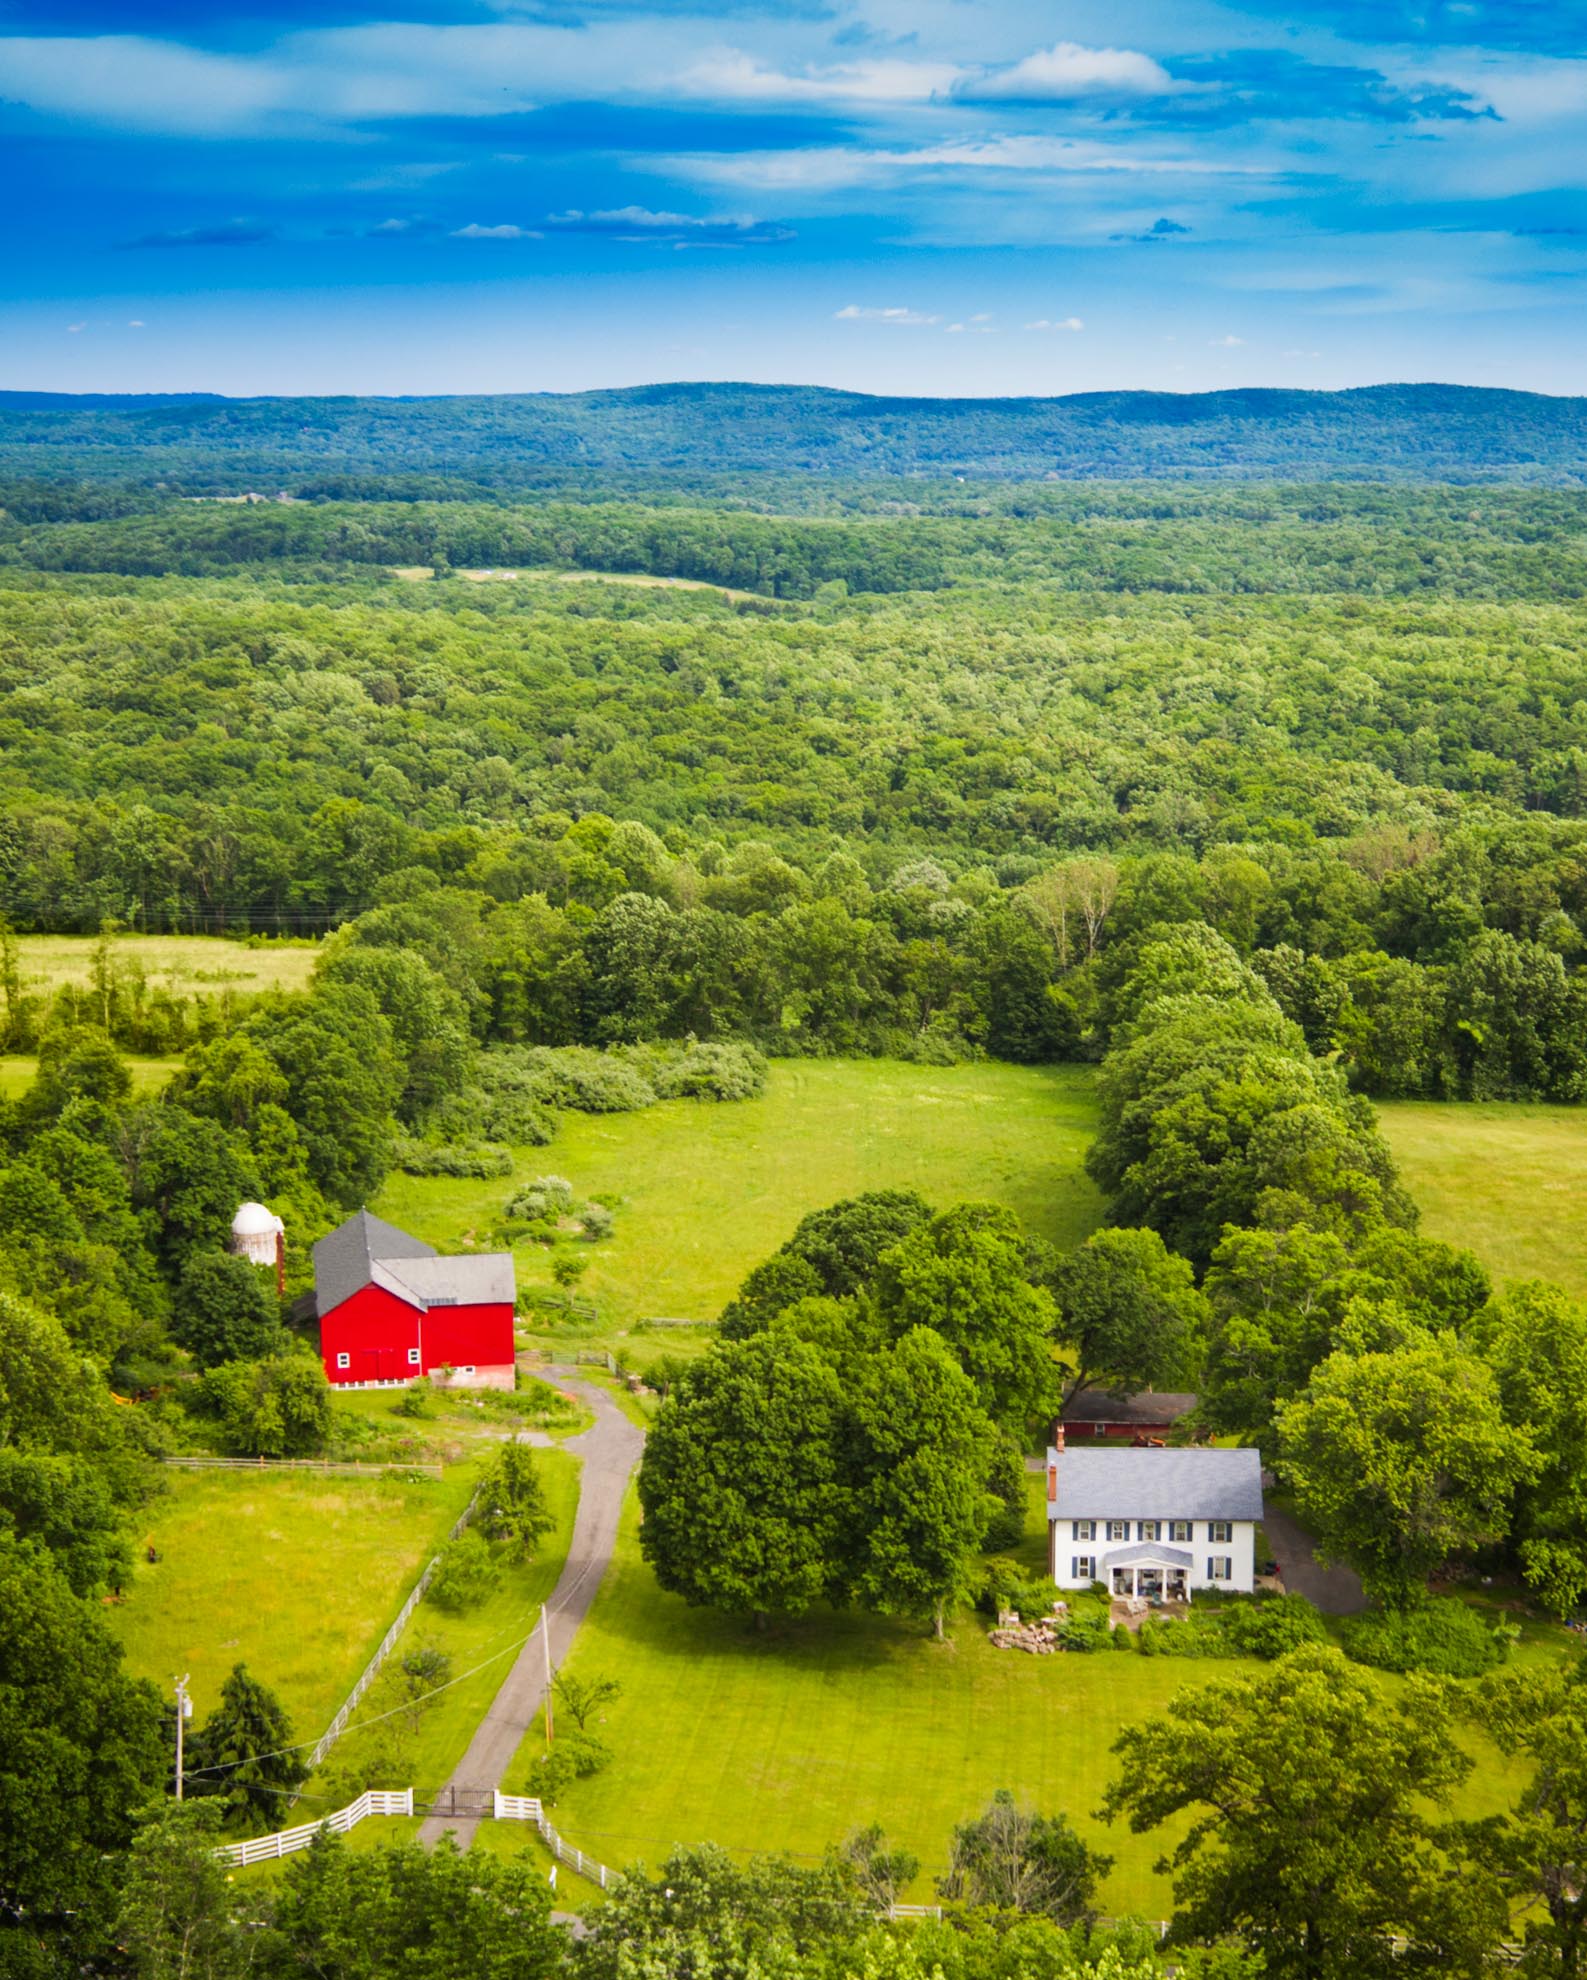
(545, 1644)
(184, 1711)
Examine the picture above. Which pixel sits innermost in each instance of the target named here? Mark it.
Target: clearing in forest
(709, 1189)
(189, 965)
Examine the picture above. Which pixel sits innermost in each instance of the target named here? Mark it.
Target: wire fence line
(388, 1643)
(324, 1467)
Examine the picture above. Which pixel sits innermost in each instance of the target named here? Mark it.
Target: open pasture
(707, 1190)
(296, 1576)
(189, 965)
(148, 1075)
(1508, 1180)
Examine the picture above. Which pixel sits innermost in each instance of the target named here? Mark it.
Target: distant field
(294, 1575)
(148, 1075)
(709, 1190)
(1506, 1180)
(184, 963)
(420, 573)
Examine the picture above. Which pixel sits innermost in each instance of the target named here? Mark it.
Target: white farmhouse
(1154, 1523)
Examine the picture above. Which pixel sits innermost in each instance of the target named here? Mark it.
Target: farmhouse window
(344, 1361)
(1083, 1568)
(1220, 1529)
(1179, 1529)
(1150, 1529)
(1085, 1529)
(1220, 1568)
(413, 1357)
(1118, 1529)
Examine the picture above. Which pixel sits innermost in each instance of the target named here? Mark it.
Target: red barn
(392, 1309)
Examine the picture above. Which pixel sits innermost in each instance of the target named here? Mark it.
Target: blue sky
(932, 196)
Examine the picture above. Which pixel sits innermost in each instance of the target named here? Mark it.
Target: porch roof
(1147, 1553)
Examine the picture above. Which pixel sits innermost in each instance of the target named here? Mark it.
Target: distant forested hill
(691, 431)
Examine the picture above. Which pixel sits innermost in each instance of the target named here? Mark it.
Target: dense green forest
(902, 812)
(670, 432)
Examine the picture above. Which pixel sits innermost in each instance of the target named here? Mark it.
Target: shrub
(468, 1572)
(1273, 1628)
(430, 1158)
(598, 1222)
(715, 1071)
(1085, 1633)
(1439, 1635)
(541, 1200)
(591, 1082)
(573, 1757)
(279, 1407)
(417, 1400)
(1006, 1585)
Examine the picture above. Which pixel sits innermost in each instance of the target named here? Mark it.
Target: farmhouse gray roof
(366, 1250)
(1149, 1406)
(1147, 1551)
(1128, 1484)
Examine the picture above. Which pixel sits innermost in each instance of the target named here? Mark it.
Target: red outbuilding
(392, 1309)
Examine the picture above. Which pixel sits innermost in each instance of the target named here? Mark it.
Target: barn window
(413, 1357)
(468, 1370)
(344, 1361)
(1083, 1568)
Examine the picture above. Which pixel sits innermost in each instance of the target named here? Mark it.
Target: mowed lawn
(183, 963)
(791, 1740)
(1506, 1180)
(708, 1190)
(296, 1576)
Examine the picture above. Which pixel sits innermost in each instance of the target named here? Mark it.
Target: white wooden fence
(525, 1808)
(388, 1643)
(373, 1801)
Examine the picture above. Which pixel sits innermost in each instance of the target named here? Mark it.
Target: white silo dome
(254, 1231)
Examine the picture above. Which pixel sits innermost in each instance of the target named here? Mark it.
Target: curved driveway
(609, 1450)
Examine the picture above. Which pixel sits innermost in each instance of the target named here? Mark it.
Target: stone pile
(1040, 1639)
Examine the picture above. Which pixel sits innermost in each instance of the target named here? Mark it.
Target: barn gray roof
(1149, 1406)
(368, 1251)
(1200, 1484)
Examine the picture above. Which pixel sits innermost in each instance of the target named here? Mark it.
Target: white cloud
(826, 167)
(900, 318)
(475, 232)
(137, 82)
(730, 73)
(1060, 323)
(135, 323)
(73, 328)
(1068, 70)
(1229, 343)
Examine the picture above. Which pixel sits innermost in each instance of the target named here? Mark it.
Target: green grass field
(389, 1755)
(148, 1075)
(708, 1190)
(187, 964)
(296, 1576)
(791, 1740)
(1506, 1180)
